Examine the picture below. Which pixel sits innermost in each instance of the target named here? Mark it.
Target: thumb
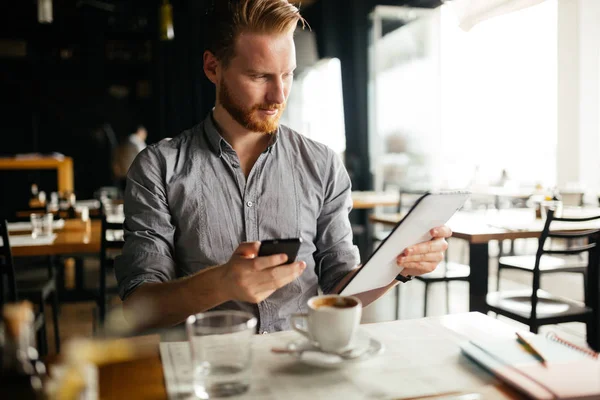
(247, 249)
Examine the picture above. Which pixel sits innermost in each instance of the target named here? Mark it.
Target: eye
(259, 77)
(289, 75)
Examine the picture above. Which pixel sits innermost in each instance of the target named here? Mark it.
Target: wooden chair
(446, 272)
(575, 263)
(111, 240)
(406, 199)
(535, 307)
(38, 291)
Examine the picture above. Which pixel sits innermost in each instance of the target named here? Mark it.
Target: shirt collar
(217, 143)
(273, 141)
(212, 134)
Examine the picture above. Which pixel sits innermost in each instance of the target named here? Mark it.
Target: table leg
(363, 240)
(71, 281)
(79, 274)
(478, 278)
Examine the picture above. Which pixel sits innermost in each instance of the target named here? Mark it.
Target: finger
(416, 269)
(441, 232)
(280, 276)
(427, 257)
(261, 263)
(247, 249)
(431, 246)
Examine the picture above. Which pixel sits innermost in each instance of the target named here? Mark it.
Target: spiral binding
(554, 337)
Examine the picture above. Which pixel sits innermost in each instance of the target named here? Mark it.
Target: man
(196, 206)
(125, 153)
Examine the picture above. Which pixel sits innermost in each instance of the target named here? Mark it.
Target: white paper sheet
(27, 240)
(26, 225)
(177, 368)
(422, 357)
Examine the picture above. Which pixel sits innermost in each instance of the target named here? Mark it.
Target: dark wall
(57, 98)
(89, 78)
(185, 94)
(342, 30)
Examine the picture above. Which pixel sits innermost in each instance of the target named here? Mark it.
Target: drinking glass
(555, 205)
(114, 211)
(221, 347)
(41, 224)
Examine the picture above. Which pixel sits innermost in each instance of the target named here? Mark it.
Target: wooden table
(62, 165)
(479, 228)
(137, 379)
(364, 200)
(363, 203)
(421, 357)
(74, 238)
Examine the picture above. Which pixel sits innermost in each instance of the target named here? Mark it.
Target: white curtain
(471, 12)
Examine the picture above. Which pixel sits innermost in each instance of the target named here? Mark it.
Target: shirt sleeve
(336, 254)
(149, 233)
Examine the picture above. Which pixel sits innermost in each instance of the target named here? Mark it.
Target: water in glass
(220, 342)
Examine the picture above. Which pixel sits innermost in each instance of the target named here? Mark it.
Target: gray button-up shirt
(188, 206)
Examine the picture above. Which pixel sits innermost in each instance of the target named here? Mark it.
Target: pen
(531, 348)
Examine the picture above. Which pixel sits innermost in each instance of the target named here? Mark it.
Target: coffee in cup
(331, 321)
(335, 302)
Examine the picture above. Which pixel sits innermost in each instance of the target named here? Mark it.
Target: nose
(276, 93)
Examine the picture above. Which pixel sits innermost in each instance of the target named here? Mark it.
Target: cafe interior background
(501, 97)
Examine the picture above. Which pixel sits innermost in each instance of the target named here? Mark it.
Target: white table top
(421, 357)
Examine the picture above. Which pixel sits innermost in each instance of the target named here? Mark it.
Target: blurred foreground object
(21, 371)
(76, 376)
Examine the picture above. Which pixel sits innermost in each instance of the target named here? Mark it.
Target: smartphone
(280, 246)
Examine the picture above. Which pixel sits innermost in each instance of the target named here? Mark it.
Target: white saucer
(363, 347)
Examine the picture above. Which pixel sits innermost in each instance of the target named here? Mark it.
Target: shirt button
(249, 204)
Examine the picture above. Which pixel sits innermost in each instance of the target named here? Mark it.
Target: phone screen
(281, 246)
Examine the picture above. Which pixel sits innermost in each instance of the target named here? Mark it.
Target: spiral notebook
(571, 372)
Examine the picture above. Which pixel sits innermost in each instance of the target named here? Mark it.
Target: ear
(211, 66)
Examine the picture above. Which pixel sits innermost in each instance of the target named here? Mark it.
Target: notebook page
(514, 353)
(568, 374)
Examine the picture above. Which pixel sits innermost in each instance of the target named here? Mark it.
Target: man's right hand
(252, 279)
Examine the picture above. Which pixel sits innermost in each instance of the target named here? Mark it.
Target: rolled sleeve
(149, 232)
(336, 254)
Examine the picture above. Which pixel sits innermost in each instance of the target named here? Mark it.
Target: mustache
(269, 107)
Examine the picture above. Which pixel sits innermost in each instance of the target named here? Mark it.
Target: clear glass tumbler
(221, 346)
(41, 224)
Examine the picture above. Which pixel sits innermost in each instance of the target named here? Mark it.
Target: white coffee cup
(332, 321)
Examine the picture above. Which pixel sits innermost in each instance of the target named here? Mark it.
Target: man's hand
(425, 257)
(250, 278)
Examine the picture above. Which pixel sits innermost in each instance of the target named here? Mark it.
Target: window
(315, 106)
(460, 103)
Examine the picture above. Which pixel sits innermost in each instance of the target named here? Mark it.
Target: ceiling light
(44, 11)
(166, 21)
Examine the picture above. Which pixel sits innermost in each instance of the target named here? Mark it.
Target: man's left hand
(425, 257)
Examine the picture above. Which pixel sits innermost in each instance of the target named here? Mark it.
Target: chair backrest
(7, 267)
(407, 197)
(590, 245)
(107, 243)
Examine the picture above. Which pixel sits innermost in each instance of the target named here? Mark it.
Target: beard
(250, 117)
